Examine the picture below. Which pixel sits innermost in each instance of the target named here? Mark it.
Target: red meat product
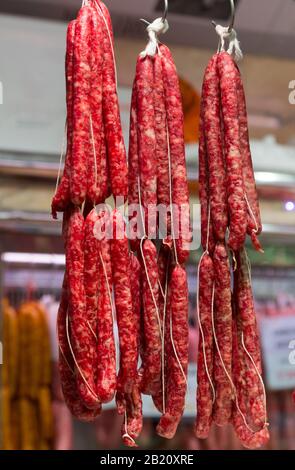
(133, 173)
(206, 224)
(81, 335)
(113, 130)
(254, 218)
(132, 403)
(91, 284)
(106, 18)
(176, 384)
(223, 333)
(133, 419)
(164, 261)
(205, 392)
(147, 141)
(235, 185)
(164, 268)
(175, 119)
(248, 437)
(214, 145)
(106, 350)
(163, 182)
(81, 108)
(126, 317)
(152, 346)
(67, 367)
(94, 165)
(248, 325)
(62, 197)
(136, 294)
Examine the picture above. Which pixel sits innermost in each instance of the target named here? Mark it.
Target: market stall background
(32, 114)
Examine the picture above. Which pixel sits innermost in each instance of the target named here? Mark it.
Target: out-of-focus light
(290, 206)
(33, 258)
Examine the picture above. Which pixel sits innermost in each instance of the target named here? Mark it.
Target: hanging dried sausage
(235, 184)
(175, 119)
(214, 140)
(178, 363)
(81, 107)
(62, 197)
(205, 393)
(223, 336)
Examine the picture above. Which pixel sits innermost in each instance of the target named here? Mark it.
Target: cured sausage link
(81, 112)
(223, 335)
(106, 350)
(126, 318)
(175, 121)
(205, 391)
(161, 135)
(62, 197)
(91, 285)
(235, 185)
(133, 172)
(254, 218)
(204, 188)
(248, 437)
(66, 361)
(67, 367)
(81, 336)
(178, 363)
(152, 347)
(113, 130)
(214, 145)
(250, 342)
(95, 173)
(147, 141)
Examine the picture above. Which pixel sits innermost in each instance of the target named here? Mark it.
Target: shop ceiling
(266, 27)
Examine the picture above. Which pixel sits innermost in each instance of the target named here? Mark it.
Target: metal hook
(164, 17)
(232, 19)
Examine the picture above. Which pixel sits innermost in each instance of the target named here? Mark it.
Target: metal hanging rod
(164, 17)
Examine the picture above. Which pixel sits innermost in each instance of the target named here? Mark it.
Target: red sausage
(81, 335)
(113, 130)
(67, 367)
(248, 437)
(147, 141)
(254, 227)
(62, 197)
(161, 137)
(175, 119)
(106, 351)
(223, 330)
(152, 335)
(235, 184)
(205, 393)
(81, 109)
(126, 318)
(94, 164)
(133, 172)
(204, 188)
(66, 362)
(177, 376)
(214, 145)
(249, 330)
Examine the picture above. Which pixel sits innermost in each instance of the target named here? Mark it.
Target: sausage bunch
(99, 284)
(96, 163)
(158, 200)
(230, 387)
(100, 272)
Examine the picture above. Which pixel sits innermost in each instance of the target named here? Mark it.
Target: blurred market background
(32, 115)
